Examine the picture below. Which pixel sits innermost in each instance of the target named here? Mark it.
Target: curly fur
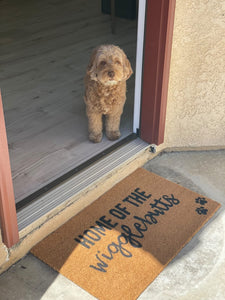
(105, 90)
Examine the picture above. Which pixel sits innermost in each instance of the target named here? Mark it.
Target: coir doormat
(117, 246)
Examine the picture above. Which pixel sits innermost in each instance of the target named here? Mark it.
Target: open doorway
(45, 48)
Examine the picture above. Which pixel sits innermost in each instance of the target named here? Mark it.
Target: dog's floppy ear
(127, 68)
(91, 68)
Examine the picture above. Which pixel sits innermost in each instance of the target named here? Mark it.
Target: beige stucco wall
(196, 96)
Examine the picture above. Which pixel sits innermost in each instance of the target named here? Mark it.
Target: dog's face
(109, 65)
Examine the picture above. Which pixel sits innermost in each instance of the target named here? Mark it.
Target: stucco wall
(196, 96)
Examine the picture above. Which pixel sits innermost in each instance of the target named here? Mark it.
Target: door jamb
(156, 64)
(8, 217)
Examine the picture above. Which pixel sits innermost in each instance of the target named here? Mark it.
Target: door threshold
(74, 185)
(45, 189)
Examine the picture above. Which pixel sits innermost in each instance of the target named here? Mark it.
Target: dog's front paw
(113, 135)
(95, 138)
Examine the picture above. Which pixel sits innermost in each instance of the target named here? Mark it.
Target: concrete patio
(197, 272)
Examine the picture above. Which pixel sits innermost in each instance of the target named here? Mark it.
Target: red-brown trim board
(156, 64)
(8, 218)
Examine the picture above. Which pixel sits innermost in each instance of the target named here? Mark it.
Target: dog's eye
(103, 63)
(118, 62)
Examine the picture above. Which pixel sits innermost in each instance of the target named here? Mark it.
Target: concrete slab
(197, 272)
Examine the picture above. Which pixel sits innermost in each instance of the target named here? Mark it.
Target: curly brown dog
(105, 90)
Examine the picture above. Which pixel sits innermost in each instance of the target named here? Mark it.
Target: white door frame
(139, 63)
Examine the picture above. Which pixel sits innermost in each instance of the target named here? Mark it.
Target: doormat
(118, 245)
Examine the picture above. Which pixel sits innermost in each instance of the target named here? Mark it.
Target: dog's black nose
(111, 74)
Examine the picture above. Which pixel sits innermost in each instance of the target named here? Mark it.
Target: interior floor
(44, 50)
